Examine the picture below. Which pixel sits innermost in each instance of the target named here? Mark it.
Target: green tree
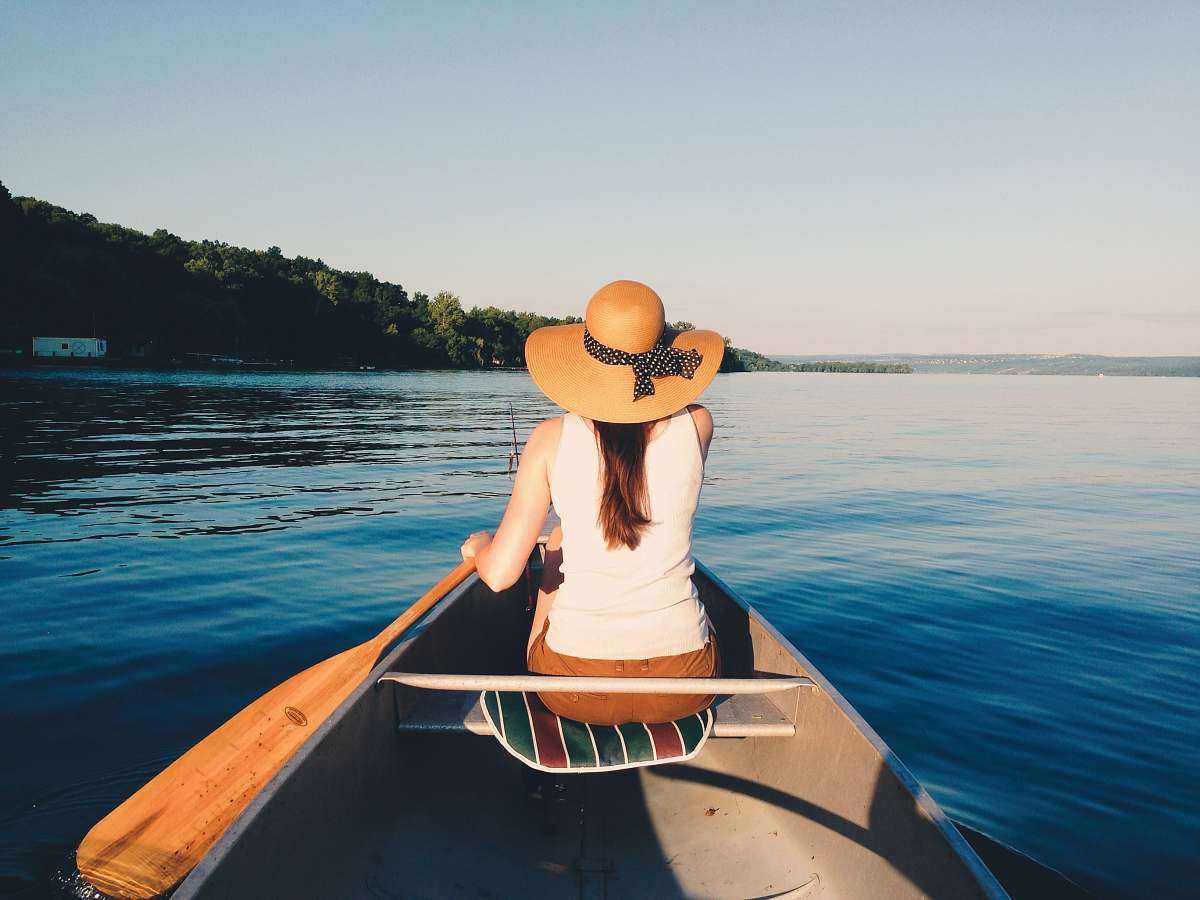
(328, 285)
(446, 312)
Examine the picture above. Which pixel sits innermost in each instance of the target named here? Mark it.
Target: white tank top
(628, 604)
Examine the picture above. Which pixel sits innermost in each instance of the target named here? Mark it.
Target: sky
(802, 177)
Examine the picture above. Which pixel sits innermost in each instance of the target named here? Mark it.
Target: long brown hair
(624, 500)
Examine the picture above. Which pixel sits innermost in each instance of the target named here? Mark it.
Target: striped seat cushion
(547, 741)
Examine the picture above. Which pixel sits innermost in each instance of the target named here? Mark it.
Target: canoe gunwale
(982, 874)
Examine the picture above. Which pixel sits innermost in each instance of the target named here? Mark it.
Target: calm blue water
(1001, 573)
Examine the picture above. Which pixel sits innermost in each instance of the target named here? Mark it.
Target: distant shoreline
(1027, 364)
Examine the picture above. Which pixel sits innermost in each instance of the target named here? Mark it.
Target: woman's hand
(475, 543)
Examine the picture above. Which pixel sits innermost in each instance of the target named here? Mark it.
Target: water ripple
(1002, 573)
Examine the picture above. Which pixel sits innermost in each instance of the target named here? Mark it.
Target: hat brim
(567, 374)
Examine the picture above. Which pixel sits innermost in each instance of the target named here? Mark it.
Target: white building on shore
(70, 347)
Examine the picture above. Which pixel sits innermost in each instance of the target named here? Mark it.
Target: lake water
(1001, 573)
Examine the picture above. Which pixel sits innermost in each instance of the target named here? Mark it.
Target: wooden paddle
(151, 841)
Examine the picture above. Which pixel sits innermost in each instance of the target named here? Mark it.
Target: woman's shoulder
(545, 435)
(704, 424)
(541, 447)
(702, 417)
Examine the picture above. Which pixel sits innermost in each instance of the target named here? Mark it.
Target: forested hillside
(158, 294)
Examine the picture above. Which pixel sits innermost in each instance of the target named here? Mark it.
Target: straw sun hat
(618, 366)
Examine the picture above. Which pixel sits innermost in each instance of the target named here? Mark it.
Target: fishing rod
(514, 455)
(514, 460)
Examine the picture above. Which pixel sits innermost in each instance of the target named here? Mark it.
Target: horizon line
(834, 357)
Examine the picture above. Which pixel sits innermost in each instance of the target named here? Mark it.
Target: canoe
(401, 793)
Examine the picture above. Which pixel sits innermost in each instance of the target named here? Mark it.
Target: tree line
(159, 297)
(749, 361)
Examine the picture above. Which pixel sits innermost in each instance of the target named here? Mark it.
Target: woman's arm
(501, 560)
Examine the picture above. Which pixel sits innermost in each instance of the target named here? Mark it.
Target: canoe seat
(526, 729)
(735, 716)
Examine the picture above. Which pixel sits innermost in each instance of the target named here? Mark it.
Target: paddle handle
(427, 601)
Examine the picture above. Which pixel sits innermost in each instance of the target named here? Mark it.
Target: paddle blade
(151, 841)
(148, 844)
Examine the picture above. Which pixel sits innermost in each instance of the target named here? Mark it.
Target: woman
(623, 468)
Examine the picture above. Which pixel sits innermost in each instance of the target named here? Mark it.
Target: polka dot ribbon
(656, 362)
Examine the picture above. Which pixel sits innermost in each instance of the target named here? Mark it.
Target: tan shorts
(614, 709)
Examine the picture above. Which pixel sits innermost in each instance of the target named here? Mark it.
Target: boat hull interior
(364, 811)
